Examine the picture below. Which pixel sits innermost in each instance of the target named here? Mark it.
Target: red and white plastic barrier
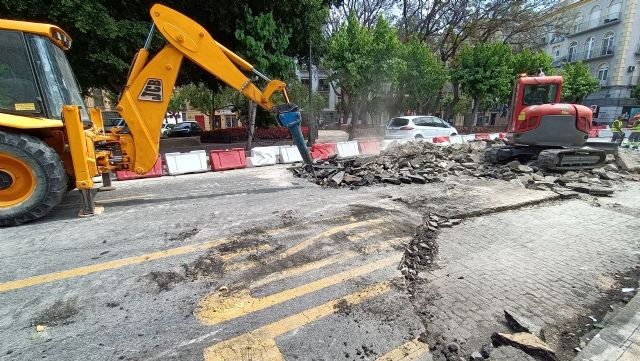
(191, 162)
(234, 158)
(155, 172)
(323, 150)
(369, 146)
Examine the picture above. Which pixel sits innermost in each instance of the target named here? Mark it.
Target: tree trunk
(251, 116)
(354, 121)
(456, 98)
(474, 113)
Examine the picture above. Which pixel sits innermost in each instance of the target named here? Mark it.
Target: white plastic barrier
(289, 154)
(469, 137)
(388, 144)
(456, 139)
(267, 154)
(605, 133)
(347, 149)
(494, 136)
(192, 162)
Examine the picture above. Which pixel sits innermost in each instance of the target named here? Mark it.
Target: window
(589, 48)
(607, 43)
(594, 17)
(614, 10)
(556, 53)
(573, 52)
(323, 85)
(439, 122)
(603, 72)
(398, 122)
(539, 94)
(577, 24)
(18, 92)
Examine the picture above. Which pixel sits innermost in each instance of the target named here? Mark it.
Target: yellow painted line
(220, 307)
(408, 351)
(364, 235)
(260, 344)
(118, 263)
(308, 242)
(345, 256)
(109, 265)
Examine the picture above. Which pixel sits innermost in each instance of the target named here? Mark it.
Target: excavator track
(571, 159)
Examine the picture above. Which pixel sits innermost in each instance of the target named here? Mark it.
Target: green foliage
(635, 92)
(299, 95)
(578, 82)
(361, 59)
(484, 72)
(528, 62)
(199, 96)
(263, 43)
(421, 75)
(106, 35)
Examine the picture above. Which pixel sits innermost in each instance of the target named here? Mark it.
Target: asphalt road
(243, 265)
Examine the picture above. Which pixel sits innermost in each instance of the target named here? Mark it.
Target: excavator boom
(145, 98)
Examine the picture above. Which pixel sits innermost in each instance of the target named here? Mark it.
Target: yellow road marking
(364, 235)
(292, 272)
(408, 351)
(118, 263)
(109, 265)
(218, 307)
(260, 344)
(308, 242)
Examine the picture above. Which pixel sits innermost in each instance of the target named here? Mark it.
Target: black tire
(48, 168)
(419, 136)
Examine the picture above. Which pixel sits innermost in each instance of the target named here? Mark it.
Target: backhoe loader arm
(144, 101)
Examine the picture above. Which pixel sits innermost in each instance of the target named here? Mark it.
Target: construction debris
(519, 323)
(424, 162)
(421, 251)
(526, 342)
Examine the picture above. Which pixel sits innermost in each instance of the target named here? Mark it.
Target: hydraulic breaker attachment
(289, 116)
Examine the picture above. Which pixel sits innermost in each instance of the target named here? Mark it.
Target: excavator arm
(144, 101)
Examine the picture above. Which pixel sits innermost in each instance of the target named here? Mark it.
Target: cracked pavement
(282, 269)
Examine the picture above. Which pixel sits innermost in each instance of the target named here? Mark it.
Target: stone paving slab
(542, 261)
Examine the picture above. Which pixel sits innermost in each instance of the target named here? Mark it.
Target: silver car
(417, 127)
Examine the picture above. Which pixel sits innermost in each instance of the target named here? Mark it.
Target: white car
(418, 127)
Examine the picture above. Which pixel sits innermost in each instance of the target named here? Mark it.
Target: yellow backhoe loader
(50, 142)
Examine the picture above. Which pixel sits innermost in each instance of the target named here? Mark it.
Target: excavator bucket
(289, 116)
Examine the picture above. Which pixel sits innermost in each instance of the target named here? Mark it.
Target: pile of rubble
(424, 162)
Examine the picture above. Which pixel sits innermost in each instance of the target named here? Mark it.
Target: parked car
(418, 126)
(185, 129)
(113, 123)
(164, 131)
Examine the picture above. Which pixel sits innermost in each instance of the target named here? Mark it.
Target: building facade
(320, 83)
(605, 35)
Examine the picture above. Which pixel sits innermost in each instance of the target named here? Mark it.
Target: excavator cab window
(539, 94)
(18, 91)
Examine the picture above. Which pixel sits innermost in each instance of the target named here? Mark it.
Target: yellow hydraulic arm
(144, 100)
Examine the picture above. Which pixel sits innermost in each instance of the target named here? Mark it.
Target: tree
(578, 82)
(635, 92)
(484, 72)
(299, 95)
(528, 62)
(107, 34)
(360, 60)
(420, 78)
(203, 99)
(177, 103)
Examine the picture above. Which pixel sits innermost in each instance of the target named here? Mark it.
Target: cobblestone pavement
(544, 261)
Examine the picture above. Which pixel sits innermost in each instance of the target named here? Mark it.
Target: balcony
(597, 53)
(607, 20)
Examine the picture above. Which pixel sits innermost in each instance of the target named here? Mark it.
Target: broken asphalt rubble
(423, 162)
(528, 337)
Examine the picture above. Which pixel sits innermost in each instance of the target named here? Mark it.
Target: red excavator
(543, 128)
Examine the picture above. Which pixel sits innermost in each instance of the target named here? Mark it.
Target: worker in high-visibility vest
(634, 138)
(616, 128)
